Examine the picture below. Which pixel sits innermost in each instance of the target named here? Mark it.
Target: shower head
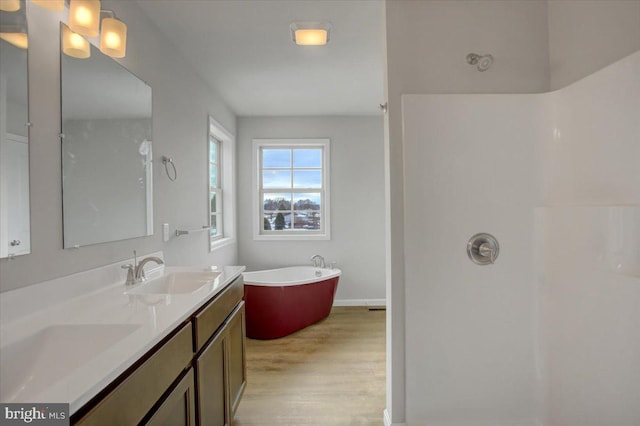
(482, 61)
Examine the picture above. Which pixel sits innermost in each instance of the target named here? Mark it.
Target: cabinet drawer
(128, 403)
(213, 315)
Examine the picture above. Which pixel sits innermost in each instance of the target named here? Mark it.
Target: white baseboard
(360, 302)
(387, 420)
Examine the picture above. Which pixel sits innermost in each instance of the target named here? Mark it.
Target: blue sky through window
(307, 157)
(276, 158)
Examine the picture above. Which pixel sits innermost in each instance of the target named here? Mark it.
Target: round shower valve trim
(483, 249)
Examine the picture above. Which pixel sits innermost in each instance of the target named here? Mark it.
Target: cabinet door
(178, 409)
(236, 357)
(212, 383)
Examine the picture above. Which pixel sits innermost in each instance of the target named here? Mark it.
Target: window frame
(258, 191)
(226, 183)
(218, 190)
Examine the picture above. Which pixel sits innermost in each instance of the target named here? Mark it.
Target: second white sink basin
(182, 282)
(38, 361)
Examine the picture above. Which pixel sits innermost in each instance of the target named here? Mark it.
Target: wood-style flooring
(331, 373)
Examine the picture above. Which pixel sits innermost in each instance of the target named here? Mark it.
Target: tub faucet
(318, 261)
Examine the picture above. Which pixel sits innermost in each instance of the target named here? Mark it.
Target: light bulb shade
(9, 5)
(50, 4)
(113, 38)
(74, 44)
(310, 33)
(84, 17)
(20, 40)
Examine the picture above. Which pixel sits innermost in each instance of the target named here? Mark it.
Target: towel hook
(167, 160)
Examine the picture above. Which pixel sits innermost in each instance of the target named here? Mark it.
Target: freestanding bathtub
(279, 302)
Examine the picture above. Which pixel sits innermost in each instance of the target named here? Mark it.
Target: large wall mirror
(106, 150)
(15, 235)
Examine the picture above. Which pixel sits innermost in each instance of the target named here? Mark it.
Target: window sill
(297, 237)
(221, 243)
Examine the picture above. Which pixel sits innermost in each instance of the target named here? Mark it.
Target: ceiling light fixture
(310, 33)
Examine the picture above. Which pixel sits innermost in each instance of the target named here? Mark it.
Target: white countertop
(70, 350)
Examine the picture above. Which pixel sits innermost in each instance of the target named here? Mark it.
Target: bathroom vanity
(160, 352)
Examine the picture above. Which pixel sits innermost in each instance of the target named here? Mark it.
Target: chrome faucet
(138, 275)
(318, 261)
(135, 272)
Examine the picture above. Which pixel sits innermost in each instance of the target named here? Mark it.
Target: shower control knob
(15, 243)
(483, 249)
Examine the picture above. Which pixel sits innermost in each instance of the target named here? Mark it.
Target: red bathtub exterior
(273, 312)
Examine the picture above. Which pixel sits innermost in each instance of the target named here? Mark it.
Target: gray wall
(585, 36)
(181, 104)
(357, 179)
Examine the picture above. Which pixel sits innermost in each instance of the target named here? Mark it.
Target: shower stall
(547, 333)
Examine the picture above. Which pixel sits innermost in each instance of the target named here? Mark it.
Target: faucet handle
(332, 264)
(129, 268)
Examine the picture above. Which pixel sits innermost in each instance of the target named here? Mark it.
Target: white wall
(591, 218)
(181, 105)
(585, 36)
(357, 240)
(471, 340)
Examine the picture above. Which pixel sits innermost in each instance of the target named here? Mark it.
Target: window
(221, 198)
(215, 189)
(293, 189)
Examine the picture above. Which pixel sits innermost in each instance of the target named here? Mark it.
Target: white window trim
(219, 190)
(257, 207)
(227, 183)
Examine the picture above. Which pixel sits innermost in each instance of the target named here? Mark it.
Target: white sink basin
(38, 361)
(182, 282)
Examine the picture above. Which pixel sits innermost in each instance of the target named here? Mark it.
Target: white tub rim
(267, 277)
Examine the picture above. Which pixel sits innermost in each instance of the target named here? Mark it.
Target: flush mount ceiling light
(310, 33)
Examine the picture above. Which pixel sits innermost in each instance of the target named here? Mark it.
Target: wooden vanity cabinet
(179, 407)
(129, 401)
(221, 367)
(195, 376)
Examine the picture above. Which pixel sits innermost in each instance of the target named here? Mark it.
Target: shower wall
(550, 334)
(591, 229)
(471, 330)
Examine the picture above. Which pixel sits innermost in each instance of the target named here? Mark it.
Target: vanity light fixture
(74, 45)
(84, 17)
(9, 5)
(19, 40)
(13, 28)
(84, 20)
(113, 38)
(310, 33)
(50, 4)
